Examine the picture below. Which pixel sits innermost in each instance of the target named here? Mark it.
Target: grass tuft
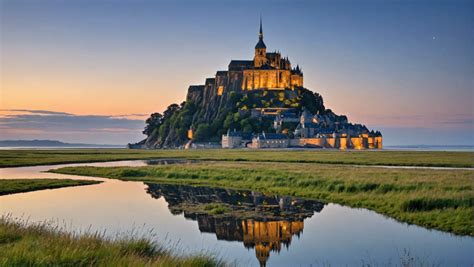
(25, 244)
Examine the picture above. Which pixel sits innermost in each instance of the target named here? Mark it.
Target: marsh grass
(216, 208)
(12, 186)
(440, 199)
(12, 158)
(42, 244)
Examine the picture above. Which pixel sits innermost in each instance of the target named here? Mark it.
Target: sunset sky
(92, 70)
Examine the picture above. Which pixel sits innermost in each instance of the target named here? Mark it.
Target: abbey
(267, 71)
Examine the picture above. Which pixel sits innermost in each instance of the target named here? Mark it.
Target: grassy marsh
(439, 199)
(12, 186)
(14, 158)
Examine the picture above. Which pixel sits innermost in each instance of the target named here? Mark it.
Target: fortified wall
(361, 142)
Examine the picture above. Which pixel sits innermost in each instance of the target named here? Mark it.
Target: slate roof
(260, 44)
(245, 136)
(240, 64)
(272, 136)
(326, 131)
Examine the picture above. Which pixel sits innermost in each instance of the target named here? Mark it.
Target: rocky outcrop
(204, 113)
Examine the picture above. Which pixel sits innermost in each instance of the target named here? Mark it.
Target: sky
(92, 70)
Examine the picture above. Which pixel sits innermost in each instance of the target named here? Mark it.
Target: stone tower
(260, 49)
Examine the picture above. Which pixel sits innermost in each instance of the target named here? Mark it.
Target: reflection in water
(262, 222)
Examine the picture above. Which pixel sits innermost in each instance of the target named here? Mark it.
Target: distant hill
(49, 143)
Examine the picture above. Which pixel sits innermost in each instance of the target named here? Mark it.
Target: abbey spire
(260, 49)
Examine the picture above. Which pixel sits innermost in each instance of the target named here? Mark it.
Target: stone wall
(338, 142)
(255, 79)
(270, 143)
(296, 80)
(231, 141)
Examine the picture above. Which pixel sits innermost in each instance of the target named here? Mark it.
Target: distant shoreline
(57, 148)
(467, 148)
(49, 144)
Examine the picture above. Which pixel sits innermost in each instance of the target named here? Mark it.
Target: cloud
(458, 121)
(132, 116)
(36, 111)
(32, 124)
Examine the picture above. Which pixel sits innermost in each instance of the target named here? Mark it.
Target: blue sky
(404, 67)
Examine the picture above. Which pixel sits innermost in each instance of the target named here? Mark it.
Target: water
(458, 148)
(276, 230)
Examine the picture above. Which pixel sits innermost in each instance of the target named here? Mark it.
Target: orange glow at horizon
(85, 95)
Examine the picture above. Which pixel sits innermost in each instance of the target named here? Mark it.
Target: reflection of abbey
(264, 223)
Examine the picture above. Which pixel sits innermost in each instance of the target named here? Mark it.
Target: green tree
(236, 117)
(229, 119)
(202, 132)
(246, 125)
(153, 123)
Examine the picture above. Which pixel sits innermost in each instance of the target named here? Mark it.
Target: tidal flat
(436, 199)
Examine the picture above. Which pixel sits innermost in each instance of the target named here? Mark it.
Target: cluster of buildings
(316, 131)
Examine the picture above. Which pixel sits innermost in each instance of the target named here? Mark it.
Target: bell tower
(260, 49)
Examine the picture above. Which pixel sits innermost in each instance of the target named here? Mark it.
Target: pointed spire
(260, 44)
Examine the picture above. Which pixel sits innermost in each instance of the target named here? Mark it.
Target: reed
(43, 244)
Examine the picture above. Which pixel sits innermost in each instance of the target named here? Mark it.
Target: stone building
(288, 116)
(267, 71)
(323, 132)
(270, 140)
(235, 139)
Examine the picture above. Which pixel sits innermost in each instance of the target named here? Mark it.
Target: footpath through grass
(12, 186)
(440, 199)
(42, 245)
(15, 158)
